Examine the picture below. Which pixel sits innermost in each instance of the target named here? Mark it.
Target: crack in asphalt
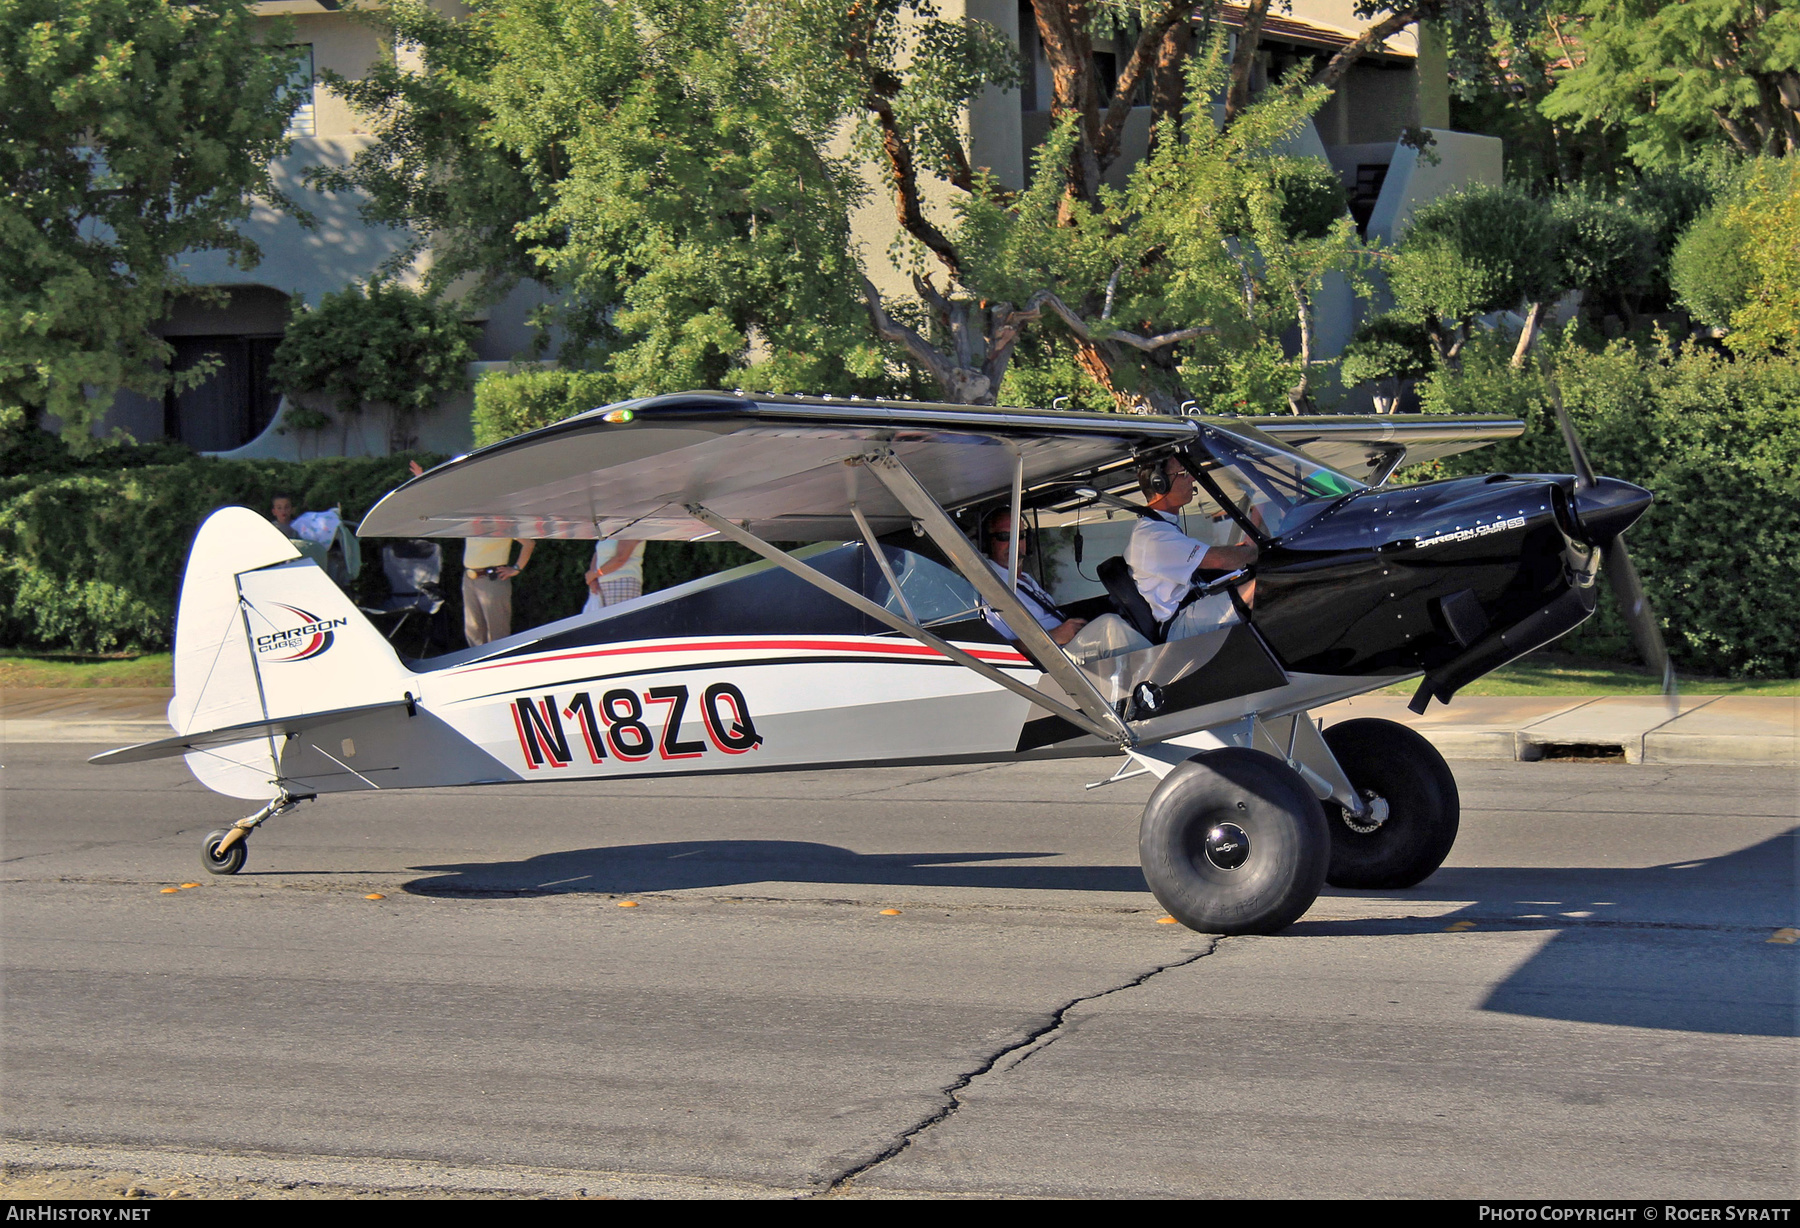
(949, 775)
(1038, 1040)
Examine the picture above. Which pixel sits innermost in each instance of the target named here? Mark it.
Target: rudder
(262, 633)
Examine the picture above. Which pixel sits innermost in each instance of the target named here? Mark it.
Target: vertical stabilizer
(263, 633)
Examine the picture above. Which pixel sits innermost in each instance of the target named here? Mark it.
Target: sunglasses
(1005, 535)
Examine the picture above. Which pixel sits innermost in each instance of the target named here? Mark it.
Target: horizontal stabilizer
(186, 743)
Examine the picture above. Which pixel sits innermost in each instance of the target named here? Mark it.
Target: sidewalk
(1707, 728)
(1638, 729)
(117, 716)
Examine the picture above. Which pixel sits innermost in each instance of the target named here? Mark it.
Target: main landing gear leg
(224, 851)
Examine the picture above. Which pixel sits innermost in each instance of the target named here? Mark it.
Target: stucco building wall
(1358, 132)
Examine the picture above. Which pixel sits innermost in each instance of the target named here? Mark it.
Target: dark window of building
(1106, 67)
(1367, 190)
(300, 82)
(234, 404)
(1030, 54)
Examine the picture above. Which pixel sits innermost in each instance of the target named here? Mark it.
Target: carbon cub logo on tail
(310, 638)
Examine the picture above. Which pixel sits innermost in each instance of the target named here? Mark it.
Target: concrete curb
(116, 716)
(1757, 729)
(1761, 729)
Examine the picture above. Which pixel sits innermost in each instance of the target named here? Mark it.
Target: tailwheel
(231, 859)
(1234, 842)
(1413, 806)
(224, 851)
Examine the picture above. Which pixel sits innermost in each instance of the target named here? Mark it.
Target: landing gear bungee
(225, 850)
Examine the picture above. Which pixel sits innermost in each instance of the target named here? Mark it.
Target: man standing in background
(617, 574)
(488, 572)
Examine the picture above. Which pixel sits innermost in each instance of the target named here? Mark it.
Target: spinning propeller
(1616, 564)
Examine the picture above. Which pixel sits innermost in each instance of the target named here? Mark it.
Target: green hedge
(1717, 441)
(91, 561)
(519, 399)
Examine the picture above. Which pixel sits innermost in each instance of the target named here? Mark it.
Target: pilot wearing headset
(1164, 560)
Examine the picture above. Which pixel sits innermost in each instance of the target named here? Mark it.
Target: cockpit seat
(1115, 574)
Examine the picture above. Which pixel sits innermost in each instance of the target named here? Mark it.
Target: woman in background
(617, 574)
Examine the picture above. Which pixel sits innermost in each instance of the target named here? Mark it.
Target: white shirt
(607, 548)
(1163, 560)
(1039, 604)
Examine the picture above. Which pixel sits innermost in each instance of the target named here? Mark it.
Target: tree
(1162, 41)
(1738, 266)
(659, 165)
(1302, 229)
(1161, 37)
(1678, 74)
(1213, 243)
(1481, 250)
(436, 170)
(1609, 252)
(381, 345)
(130, 131)
(1391, 352)
(673, 171)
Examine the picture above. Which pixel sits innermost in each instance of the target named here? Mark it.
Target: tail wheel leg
(224, 851)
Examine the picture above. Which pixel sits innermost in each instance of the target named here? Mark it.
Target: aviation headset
(1153, 475)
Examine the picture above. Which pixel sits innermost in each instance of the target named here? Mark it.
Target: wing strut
(999, 594)
(1115, 732)
(1018, 526)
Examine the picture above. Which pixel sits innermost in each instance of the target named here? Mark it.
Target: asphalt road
(1592, 999)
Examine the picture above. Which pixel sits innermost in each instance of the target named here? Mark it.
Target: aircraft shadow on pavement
(624, 869)
(1684, 946)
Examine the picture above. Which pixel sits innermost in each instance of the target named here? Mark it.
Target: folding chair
(414, 571)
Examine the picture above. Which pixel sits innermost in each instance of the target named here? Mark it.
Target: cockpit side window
(934, 592)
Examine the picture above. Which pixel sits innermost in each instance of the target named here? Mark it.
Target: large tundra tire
(1233, 842)
(1412, 794)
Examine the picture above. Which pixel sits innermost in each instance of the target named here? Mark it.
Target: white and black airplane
(876, 643)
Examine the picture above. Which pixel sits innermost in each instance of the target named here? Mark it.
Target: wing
(1381, 443)
(774, 465)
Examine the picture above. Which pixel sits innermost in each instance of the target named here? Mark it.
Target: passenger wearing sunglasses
(998, 535)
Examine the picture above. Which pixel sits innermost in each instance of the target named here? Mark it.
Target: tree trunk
(1063, 31)
(1168, 84)
(1369, 39)
(1243, 59)
(1527, 335)
(1144, 61)
(1299, 397)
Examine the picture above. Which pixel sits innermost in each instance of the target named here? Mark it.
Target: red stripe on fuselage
(897, 650)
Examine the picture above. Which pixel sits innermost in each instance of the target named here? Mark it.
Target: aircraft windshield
(1280, 491)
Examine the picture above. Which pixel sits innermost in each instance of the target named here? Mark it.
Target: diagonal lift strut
(1115, 731)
